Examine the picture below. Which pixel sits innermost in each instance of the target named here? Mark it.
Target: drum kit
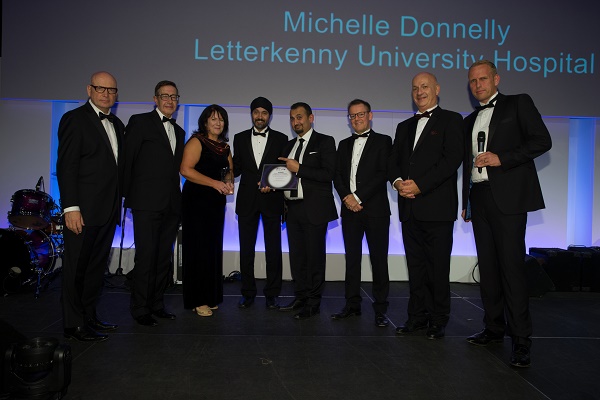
(32, 244)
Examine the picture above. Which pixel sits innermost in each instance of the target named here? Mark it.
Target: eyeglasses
(165, 97)
(102, 89)
(358, 115)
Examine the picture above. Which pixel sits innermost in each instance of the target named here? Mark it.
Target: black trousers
(500, 242)
(154, 233)
(377, 232)
(85, 260)
(307, 254)
(428, 246)
(248, 230)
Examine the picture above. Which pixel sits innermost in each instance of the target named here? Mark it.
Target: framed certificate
(278, 177)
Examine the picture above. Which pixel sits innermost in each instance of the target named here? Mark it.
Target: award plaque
(278, 177)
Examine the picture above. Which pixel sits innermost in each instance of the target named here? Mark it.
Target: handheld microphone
(39, 184)
(480, 145)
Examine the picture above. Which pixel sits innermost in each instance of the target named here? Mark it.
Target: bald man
(89, 172)
(427, 151)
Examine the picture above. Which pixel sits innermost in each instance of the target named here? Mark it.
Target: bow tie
(109, 117)
(426, 114)
(171, 120)
(357, 136)
(488, 105)
(263, 134)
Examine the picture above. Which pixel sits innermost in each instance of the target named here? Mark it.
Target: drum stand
(56, 245)
(57, 241)
(119, 270)
(39, 282)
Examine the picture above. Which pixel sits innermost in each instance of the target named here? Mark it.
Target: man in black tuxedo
(154, 149)
(89, 171)
(506, 133)
(427, 151)
(312, 157)
(360, 180)
(253, 149)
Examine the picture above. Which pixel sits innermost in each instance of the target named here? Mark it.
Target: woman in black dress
(207, 167)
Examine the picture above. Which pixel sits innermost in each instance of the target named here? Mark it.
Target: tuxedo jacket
(249, 199)
(371, 174)
(517, 134)
(88, 174)
(317, 171)
(152, 180)
(432, 164)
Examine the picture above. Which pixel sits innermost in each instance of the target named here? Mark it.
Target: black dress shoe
(272, 303)
(146, 320)
(307, 312)
(100, 326)
(163, 314)
(346, 312)
(84, 334)
(485, 337)
(411, 326)
(381, 320)
(435, 331)
(293, 306)
(245, 302)
(520, 356)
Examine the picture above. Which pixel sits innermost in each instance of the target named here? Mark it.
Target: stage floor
(260, 354)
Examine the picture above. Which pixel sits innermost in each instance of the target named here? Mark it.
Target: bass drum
(22, 253)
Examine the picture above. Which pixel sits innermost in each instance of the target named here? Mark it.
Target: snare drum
(23, 252)
(30, 209)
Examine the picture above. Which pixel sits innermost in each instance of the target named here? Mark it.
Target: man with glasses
(89, 172)
(360, 180)
(154, 149)
(427, 151)
(252, 149)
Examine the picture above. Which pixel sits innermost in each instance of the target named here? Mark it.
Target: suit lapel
(179, 139)
(427, 129)
(499, 108)
(313, 143)
(288, 148)
(267, 146)
(412, 132)
(470, 123)
(100, 127)
(346, 158)
(120, 136)
(364, 156)
(160, 127)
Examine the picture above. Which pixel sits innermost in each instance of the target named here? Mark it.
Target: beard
(260, 124)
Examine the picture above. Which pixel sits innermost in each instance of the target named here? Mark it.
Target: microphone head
(481, 136)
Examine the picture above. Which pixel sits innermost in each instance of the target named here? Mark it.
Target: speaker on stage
(589, 261)
(561, 266)
(537, 279)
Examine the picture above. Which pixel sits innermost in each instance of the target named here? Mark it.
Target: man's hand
(290, 164)
(351, 203)
(487, 159)
(74, 221)
(408, 189)
(265, 189)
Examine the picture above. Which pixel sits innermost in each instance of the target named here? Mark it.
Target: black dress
(203, 218)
